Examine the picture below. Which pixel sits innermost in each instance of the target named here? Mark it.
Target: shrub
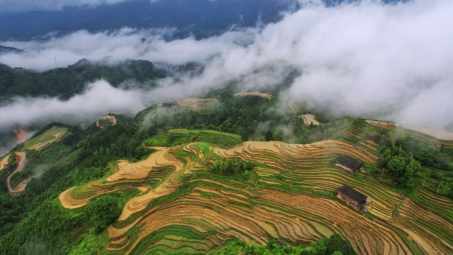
(231, 166)
(436, 175)
(103, 211)
(336, 243)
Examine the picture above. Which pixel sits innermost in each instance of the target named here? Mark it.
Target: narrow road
(20, 166)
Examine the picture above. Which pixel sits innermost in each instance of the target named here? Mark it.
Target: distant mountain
(67, 82)
(200, 18)
(4, 50)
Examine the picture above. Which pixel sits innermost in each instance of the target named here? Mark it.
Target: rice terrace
(226, 127)
(177, 179)
(289, 193)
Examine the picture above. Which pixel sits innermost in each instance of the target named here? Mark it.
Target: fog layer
(367, 59)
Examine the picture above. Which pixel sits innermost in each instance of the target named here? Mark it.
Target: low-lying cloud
(98, 100)
(364, 59)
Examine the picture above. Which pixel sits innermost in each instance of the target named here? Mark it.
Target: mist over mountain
(64, 83)
(201, 18)
(4, 50)
(388, 72)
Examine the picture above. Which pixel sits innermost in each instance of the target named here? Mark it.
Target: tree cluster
(400, 165)
(234, 166)
(333, 245)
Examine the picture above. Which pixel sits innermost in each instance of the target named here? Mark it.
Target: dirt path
(157, 148)
(20, 166)
(4, 162)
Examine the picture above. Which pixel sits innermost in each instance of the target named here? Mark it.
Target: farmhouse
(354, 198)
(442, 161)
(348, 164)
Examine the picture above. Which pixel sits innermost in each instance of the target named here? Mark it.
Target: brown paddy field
(192, 210)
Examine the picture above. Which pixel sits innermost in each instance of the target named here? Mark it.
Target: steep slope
(67, 82)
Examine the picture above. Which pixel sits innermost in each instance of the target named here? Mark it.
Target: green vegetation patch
(181, 231)
(332, 245)
(181, 136)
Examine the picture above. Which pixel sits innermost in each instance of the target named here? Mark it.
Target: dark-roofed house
(348, 164)
(354, 198)
(442, 161)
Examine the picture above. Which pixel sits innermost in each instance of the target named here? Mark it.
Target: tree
(396, 166)
(451, 193)
(103, 211)
(336, 244)
(268, 136)
(245, 136)
(435, 175)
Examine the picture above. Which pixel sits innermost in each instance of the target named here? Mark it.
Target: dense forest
(27, 83)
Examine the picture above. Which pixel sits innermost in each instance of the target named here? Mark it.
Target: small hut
(348, 164)
(354, 198)
(442, 161)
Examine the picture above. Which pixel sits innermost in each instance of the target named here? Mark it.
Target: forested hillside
(67, 82)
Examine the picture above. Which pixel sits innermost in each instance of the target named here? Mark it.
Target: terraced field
(310, 119)
(4, 162)
(197, 104)
(185, 208)
(258, 94)
(50, 136)
(104, 120)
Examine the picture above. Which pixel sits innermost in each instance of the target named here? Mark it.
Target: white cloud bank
(367, 59)
(98, 100)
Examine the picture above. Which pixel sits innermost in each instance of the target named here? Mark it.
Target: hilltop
(4, 50)
(235, 175)
(66, 82)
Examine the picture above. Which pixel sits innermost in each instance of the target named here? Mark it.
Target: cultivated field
(50, 136)
(185, 208)
(4, 162)
(310, 119)
(110, 118)
(197, 104)
(259, 94)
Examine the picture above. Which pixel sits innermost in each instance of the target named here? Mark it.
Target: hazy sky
(368, 59)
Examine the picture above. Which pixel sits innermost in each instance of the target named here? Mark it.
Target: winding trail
(20, 166)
